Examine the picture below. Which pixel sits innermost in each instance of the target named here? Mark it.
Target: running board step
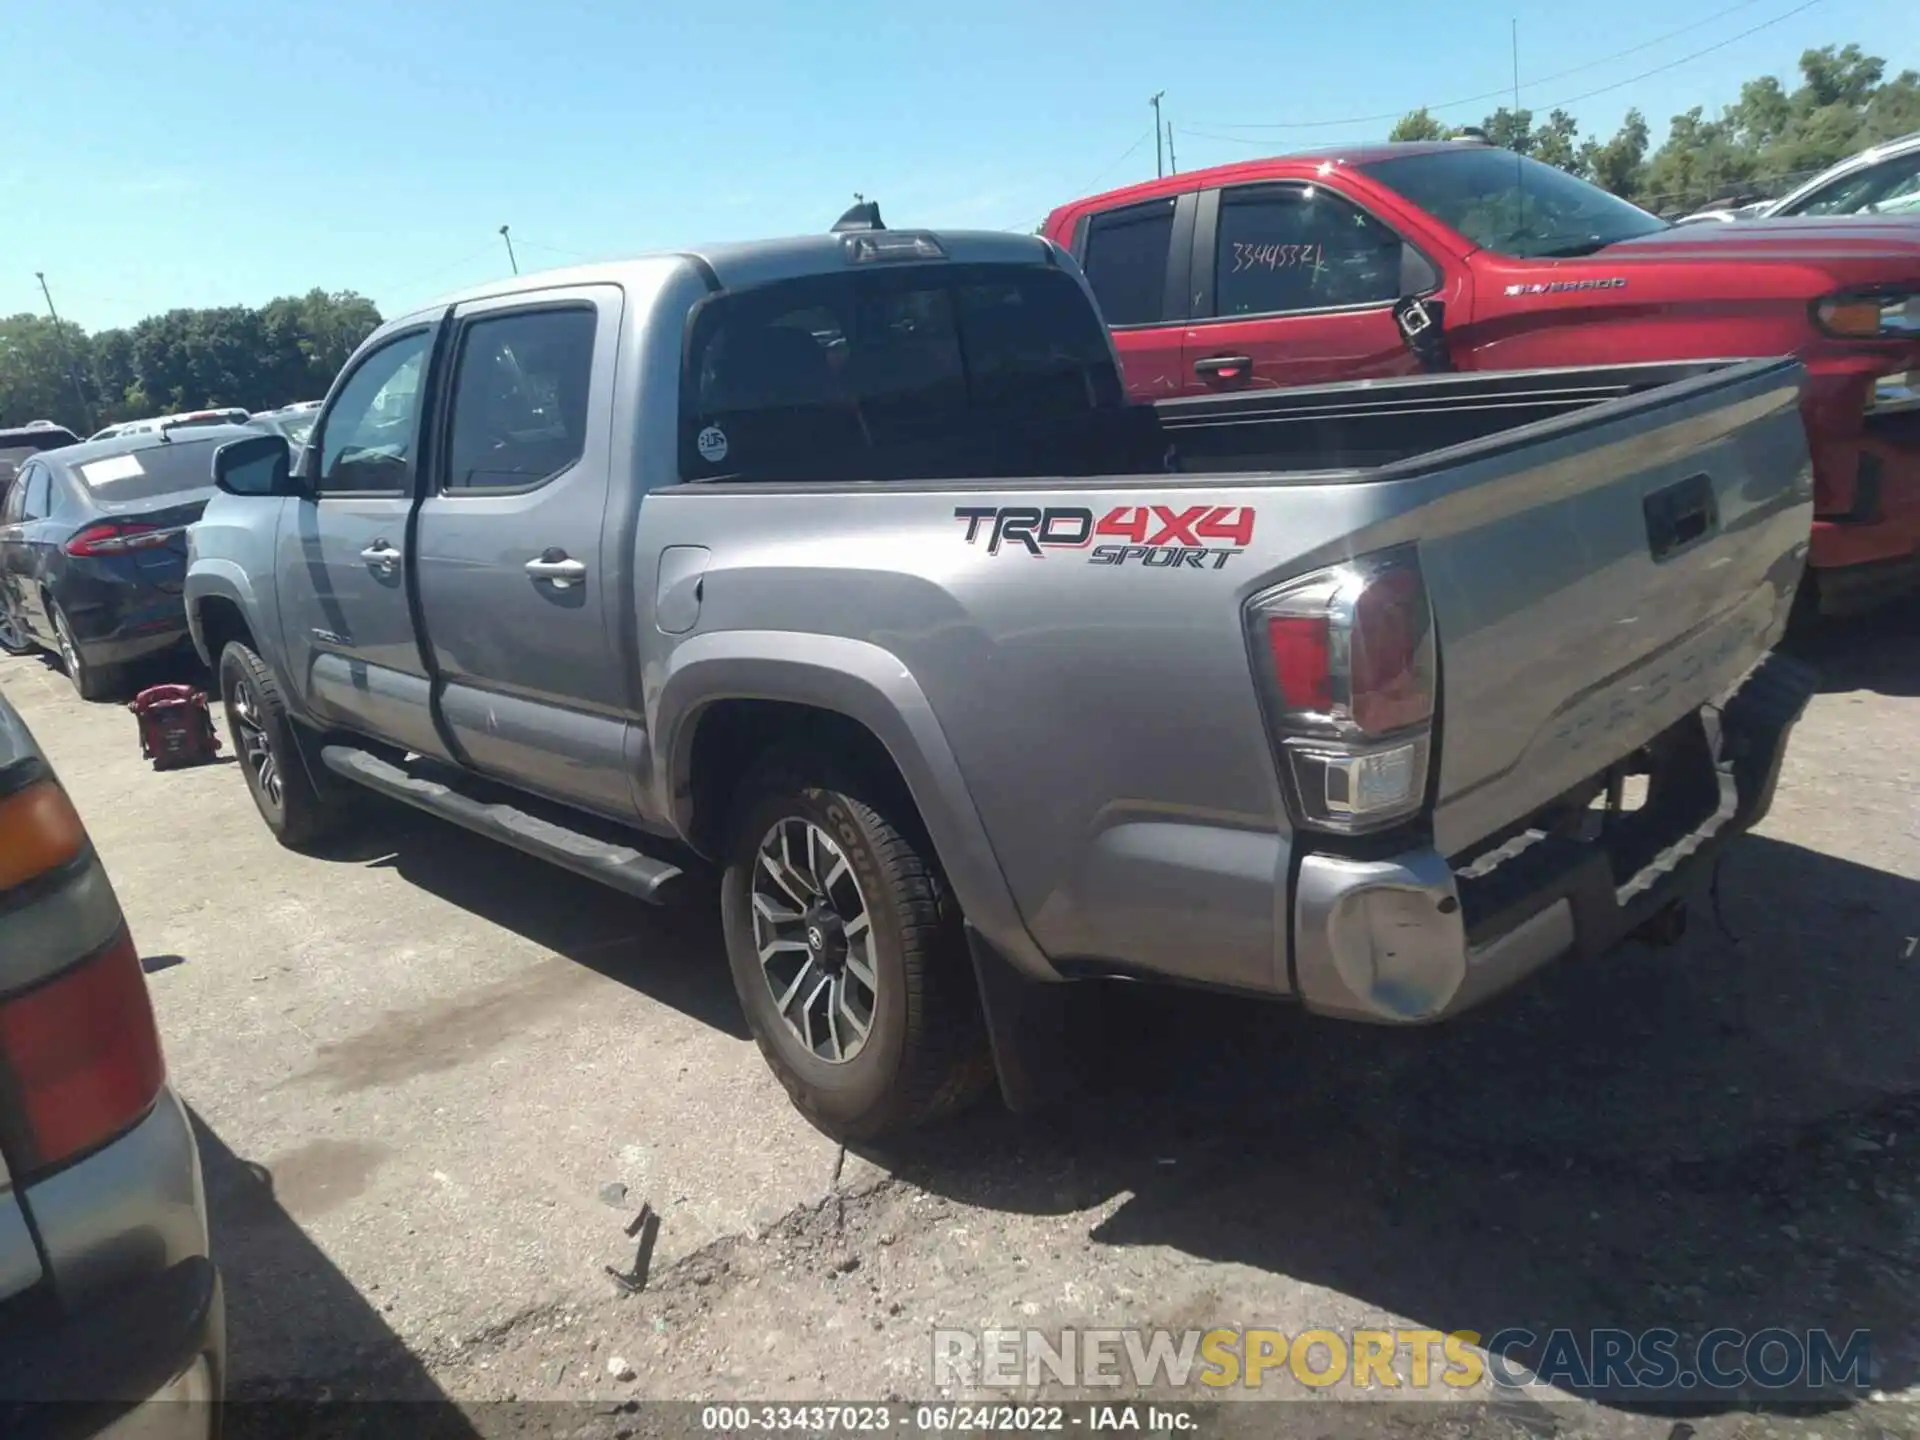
(621, 866)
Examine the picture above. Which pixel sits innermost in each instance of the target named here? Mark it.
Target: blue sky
(203, 153)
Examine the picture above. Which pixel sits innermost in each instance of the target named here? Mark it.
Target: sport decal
(1159, 537)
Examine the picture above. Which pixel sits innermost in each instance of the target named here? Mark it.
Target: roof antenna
(865, 215)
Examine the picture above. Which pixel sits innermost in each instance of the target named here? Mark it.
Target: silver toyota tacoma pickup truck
(842, 564)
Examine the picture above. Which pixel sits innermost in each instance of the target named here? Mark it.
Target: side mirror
(259, 465)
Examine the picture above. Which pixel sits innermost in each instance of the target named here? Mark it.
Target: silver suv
(109, 1300)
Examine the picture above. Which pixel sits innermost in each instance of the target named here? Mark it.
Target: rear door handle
(555, 566)
(381, 555)
(1224, 367)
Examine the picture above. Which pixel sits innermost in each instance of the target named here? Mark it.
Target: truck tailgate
(1596, 578)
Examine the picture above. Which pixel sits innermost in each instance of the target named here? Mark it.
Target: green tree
(1618, 165)
(36, 380)
(111, 364)
(1845, 76)
(1557, 142)
(334, 323)
(1418, 125)
(1701, 161)
(1894, 109)
(1767, 140)
(1510, 130)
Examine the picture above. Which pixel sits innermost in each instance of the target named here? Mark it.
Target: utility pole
(1173, 165)
(1159, 156)
(509, 239)
(60, 335)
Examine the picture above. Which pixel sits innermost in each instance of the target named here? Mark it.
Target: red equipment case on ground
(175, 727)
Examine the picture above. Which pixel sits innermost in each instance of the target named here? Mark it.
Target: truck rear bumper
(1416, 937)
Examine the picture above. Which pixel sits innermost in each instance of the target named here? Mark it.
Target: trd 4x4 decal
(1162, 537)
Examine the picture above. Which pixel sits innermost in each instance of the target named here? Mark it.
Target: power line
(1500, 93)
(526, 244)
(1673, 64)
(1569, 100)
(1092, 186)
(1125, 155)
(461, 263)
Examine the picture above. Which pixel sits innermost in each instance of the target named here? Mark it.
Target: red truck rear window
(897, 373)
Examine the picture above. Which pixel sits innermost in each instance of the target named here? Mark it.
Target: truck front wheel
(268, 751)
(848, 954)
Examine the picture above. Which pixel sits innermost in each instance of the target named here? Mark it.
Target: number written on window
(1249, 256)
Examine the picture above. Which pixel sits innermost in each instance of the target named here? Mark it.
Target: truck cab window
(1126, 262)
(520, 392)
(367, 439)
(1300, 247)
(895, 374)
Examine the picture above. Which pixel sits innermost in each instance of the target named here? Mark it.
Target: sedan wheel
(13, 635)
(94, 682)
(69, 652)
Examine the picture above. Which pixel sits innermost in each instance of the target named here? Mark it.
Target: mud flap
(1028, 1026)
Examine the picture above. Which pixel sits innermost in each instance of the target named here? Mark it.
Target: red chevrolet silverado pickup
(1389, 259)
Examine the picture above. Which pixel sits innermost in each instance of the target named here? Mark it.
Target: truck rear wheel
(848, 954)
(267, 748)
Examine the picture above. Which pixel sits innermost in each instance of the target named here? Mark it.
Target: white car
(1881, 180)
(230, 415)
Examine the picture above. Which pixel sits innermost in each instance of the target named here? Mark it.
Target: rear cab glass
(178, 467)
(909, 371)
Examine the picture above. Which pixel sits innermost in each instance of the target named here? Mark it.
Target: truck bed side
(1098, 697)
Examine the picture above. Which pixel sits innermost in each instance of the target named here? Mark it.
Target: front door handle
(556, 567)
(1224, 367)
(381, 556)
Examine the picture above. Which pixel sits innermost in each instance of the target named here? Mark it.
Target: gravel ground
(434, 1082)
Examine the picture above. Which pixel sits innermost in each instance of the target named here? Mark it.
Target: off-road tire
(301, 817)
(926, 1056)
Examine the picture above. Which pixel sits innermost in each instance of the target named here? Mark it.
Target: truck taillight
(1347, 655)
(80, 1057)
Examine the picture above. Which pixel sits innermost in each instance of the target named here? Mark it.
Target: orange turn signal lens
(1859, 318)
(39, 831)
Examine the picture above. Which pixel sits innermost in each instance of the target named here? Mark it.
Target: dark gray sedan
(93, 549)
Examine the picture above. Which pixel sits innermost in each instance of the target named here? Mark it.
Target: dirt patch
(405, 1044)
(323, 1173)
